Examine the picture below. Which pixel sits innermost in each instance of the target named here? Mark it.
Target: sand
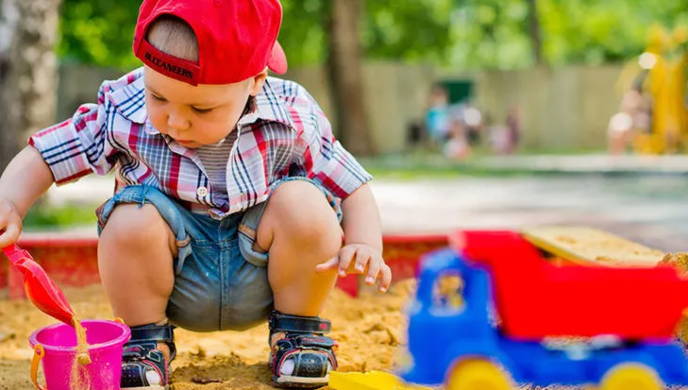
(369, 331)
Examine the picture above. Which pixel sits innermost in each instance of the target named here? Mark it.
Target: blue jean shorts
(221, 282)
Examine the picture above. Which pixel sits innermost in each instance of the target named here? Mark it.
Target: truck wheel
(478, 374)
(634, 376)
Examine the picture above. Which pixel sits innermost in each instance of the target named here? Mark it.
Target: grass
(423, 164)
(44, 216)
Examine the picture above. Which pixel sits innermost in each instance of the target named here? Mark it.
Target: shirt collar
(129, 101)
(268, 106)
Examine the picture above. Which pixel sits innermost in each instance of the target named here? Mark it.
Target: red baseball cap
(237, 39)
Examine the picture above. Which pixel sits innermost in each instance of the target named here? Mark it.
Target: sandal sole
(300, 382)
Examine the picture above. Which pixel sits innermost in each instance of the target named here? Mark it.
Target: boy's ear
(258, 81)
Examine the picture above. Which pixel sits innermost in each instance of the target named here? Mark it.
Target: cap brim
(278, 59)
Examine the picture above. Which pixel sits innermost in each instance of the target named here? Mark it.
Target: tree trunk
(28, 71)
(346, 76)
(9, 16)
(535, 32)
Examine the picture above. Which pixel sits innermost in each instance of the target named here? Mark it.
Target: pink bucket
(56, 346)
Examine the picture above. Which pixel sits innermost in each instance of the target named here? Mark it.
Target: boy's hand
(359, 259)
(10, 223)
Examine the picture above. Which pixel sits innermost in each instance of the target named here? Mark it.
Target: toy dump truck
(516, 318)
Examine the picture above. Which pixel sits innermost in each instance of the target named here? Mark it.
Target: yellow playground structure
(654, 115)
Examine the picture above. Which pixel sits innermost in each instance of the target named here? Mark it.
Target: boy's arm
(362, 250)
(326, 160)
(25, 179)
(361, 221)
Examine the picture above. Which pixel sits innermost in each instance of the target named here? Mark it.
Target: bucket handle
(38, 353)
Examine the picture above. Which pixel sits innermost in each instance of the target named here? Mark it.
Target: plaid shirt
(283, 133)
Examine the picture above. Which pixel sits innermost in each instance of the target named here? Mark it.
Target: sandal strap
(280, 322)
(152, 334)
(308, 342)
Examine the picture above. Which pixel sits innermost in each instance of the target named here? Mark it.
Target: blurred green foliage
(494, 33)
(44, 216)
(605, 30)
(456, 33)
(303, 31)
(407, 29)
(100, 31)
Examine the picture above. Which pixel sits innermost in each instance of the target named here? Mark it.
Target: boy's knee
(301, 209)
(132, 223)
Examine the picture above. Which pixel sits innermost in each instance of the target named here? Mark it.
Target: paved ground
(587, 163)
(649, 208)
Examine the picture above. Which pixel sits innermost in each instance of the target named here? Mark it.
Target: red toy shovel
(39, 288)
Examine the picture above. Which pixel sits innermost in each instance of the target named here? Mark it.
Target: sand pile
(369, 331)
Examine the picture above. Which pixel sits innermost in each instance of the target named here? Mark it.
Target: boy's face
(200, 115)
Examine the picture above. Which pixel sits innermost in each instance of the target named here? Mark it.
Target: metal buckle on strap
(129, 355)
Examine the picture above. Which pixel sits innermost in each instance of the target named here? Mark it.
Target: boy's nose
(177, 122)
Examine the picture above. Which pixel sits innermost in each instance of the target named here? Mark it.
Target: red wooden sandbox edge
(72, 260)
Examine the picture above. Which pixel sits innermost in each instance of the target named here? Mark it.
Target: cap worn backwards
(237, 39)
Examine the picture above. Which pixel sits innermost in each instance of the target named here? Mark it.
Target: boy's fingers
(374, 268)
(10, 235)
(329, 264)
(346, 254)
(362, 259)
(386, 278)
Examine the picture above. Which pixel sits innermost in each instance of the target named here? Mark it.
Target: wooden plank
(588, 245)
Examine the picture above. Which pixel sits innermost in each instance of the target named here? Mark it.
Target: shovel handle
(14, 253)
(11, 248)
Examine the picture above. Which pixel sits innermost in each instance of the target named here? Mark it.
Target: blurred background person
(437, 115)
(503, 139)
(633, 119)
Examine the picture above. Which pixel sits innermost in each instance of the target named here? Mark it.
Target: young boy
(234, 203)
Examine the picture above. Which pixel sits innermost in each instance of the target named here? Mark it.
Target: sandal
(143, 364)
(300, 355)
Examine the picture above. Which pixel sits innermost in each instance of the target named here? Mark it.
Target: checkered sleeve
(78, 146)
(325, 159)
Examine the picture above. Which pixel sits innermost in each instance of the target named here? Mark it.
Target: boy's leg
(299, 230)
(135, 255)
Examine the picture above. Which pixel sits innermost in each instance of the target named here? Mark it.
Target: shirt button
(202, 191)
